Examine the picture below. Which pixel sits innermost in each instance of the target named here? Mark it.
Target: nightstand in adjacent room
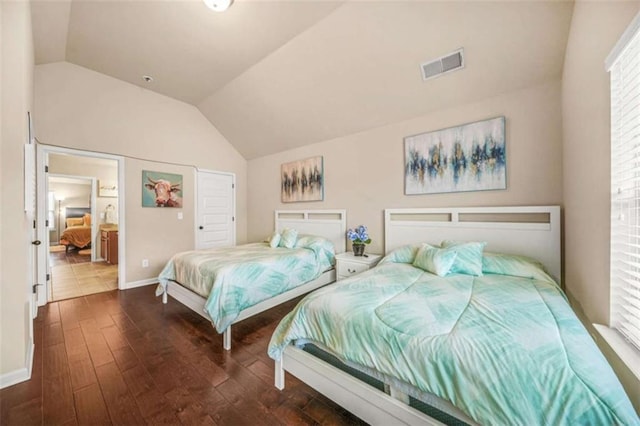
(348, 265)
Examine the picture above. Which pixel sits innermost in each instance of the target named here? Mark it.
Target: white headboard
(530, 231)
(330, 224)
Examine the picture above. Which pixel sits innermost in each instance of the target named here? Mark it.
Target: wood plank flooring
(124, 358)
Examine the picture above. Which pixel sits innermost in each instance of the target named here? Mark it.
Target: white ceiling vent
(442, 65)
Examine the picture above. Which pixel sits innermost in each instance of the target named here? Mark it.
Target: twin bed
(227, 285)
(499, 345)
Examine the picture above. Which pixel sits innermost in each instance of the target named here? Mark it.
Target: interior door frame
(43, 152)
(94, 224)
(197, 204)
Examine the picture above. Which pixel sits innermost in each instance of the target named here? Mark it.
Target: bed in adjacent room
(463, 333)
(229, 284)
(77, 232)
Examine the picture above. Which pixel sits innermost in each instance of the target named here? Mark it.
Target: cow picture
(161, 189)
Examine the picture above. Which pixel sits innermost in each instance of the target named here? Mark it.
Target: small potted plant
(358, 237)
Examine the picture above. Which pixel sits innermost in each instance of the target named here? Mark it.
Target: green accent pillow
(514, 265)
(469, 259)
(435, 260)
(274, 239)
(288, 238)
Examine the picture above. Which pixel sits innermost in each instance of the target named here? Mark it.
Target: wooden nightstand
(348, 265)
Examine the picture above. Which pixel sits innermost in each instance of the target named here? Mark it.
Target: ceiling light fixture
(218, 5)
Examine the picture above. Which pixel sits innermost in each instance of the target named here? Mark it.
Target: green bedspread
(505, 350)
(235, 278)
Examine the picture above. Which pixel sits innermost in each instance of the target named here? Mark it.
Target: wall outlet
(145, 263)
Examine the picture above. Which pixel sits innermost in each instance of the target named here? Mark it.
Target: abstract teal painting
(470, 157)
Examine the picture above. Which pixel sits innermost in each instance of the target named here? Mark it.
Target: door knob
(36, 242)
(200, 227)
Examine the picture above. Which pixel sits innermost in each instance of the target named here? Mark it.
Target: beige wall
(595, 28)
(15, 248)
(79, 108)
(164, 234)
(364, 173)
(76, 194)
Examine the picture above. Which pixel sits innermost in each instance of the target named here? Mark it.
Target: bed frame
(530, 231)
(331, 224)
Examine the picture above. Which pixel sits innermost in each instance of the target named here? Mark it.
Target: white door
(216, 205)
(43, 229)
(30, 211)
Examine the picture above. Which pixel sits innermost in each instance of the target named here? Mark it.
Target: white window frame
(623, 63)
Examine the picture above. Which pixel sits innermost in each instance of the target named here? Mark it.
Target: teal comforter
(235, 278)
(505, 350)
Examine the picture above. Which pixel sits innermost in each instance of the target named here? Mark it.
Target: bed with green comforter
(505, 348)
(235, 278)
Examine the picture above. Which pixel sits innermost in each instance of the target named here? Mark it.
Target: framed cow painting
(161, 189)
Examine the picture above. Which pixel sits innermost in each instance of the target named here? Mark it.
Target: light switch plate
(180, 216)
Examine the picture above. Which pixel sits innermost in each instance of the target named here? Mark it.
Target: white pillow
(274, 239)
(435, 260)
(288, 238)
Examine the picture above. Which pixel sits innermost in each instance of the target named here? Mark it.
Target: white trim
(141, 283)
(629, 355)
(22, 374)
(43, 152)
(622, 43)
(215, 171)
(93, 183)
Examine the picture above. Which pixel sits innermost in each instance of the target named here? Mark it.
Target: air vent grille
(444, 64)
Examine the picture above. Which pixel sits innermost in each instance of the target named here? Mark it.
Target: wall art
(161, 189)
(302, 180)
(107, 188)
(470, 157)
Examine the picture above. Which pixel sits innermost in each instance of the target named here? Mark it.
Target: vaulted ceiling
(275, 75)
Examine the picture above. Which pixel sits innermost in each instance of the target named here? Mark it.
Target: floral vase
(358, 249)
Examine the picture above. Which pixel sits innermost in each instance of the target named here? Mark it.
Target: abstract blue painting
(470, 157)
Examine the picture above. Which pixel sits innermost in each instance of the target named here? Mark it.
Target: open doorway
(74, 258)
(81, 211)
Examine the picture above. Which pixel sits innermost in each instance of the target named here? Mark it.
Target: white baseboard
(140, 283)
(22, 374)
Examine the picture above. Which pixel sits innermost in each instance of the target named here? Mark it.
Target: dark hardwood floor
(124, 358)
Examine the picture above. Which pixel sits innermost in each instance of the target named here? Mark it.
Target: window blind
(625, 189)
